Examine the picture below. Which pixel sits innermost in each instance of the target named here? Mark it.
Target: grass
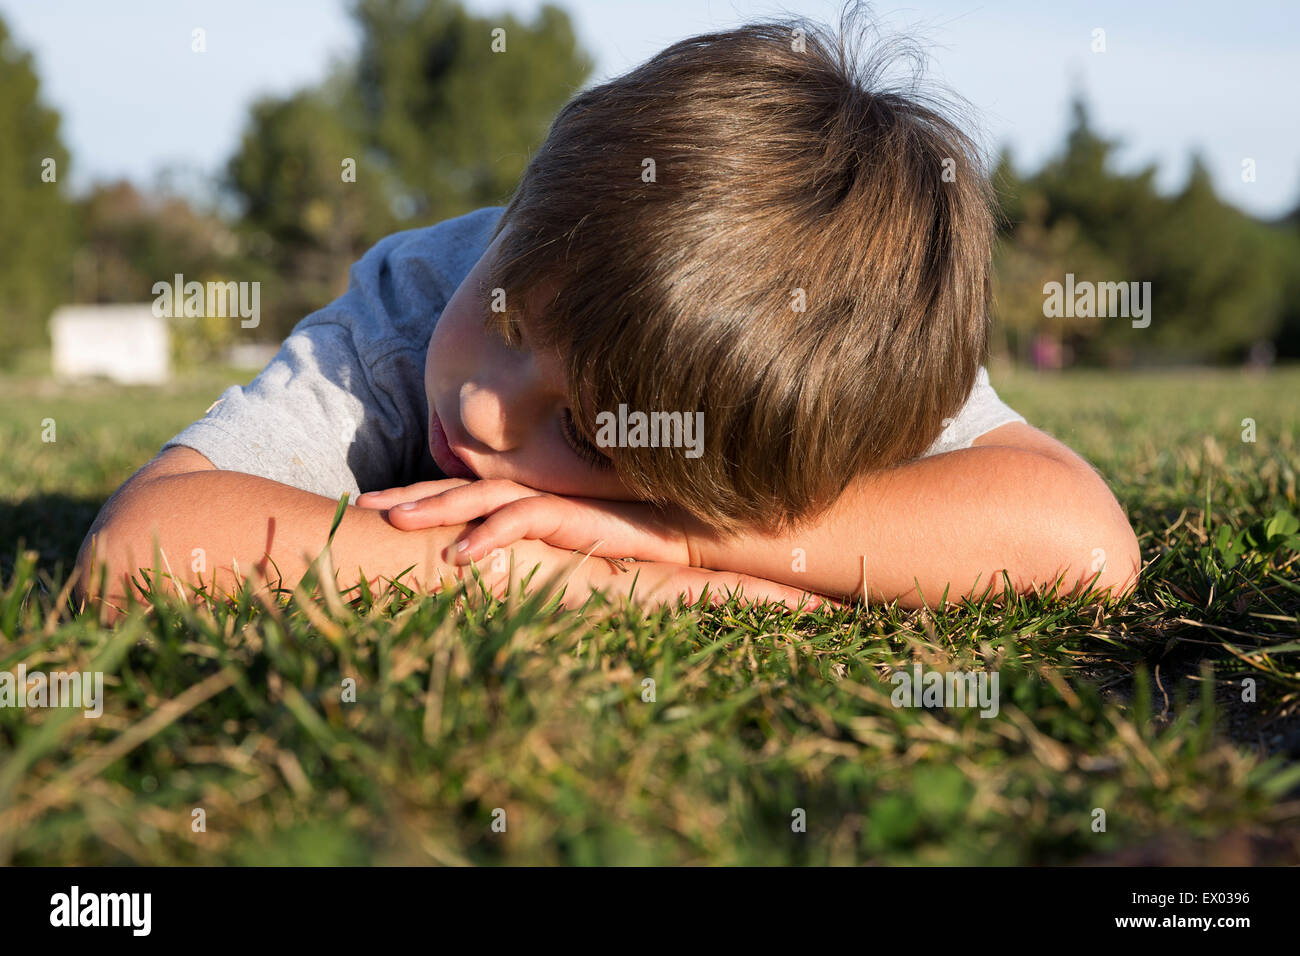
(470, 713)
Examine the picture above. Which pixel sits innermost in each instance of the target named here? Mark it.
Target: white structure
(251, 355)
(126, 343)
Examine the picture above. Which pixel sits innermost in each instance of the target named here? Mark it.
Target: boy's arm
(207, 521)
(1016, 500)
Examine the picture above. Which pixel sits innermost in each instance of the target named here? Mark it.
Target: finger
(388, 497)
(457, 505)
(535, 518)
(604, 528)
(384, 496)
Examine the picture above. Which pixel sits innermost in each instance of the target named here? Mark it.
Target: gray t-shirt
(342, 408)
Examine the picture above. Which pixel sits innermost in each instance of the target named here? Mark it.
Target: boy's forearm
(210, 523)
(955, 520)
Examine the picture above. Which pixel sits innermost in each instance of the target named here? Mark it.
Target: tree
(1113, 211)
(1219, 278)
(1219, 274)
(129, 240)
(1288, 338)
(35, 216)
(312, 200)
(433, 122)
(454, 103)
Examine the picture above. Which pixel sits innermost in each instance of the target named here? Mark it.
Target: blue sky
(1175, 75)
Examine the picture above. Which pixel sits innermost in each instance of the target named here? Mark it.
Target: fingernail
(405, 506)
(462, 545)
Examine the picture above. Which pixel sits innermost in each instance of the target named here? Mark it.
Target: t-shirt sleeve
(310, 419)
(342, 407)
(982, 413)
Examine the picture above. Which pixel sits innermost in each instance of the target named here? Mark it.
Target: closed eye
(580, 446)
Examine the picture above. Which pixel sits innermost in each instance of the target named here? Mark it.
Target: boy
(741, 234)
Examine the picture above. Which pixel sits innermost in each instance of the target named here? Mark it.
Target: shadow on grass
(52, 525)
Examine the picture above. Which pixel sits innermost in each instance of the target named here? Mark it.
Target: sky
(1175, 77)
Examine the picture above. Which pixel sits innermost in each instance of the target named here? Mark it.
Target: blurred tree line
(1222, 282)
(432, 119)
(436, 116)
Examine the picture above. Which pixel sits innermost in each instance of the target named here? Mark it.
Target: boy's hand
(512, 512)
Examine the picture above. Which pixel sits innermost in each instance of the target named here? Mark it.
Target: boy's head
(750, 225)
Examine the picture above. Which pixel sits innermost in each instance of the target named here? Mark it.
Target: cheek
(454, 345)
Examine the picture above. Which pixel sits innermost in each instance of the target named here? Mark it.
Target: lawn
(453, 729)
